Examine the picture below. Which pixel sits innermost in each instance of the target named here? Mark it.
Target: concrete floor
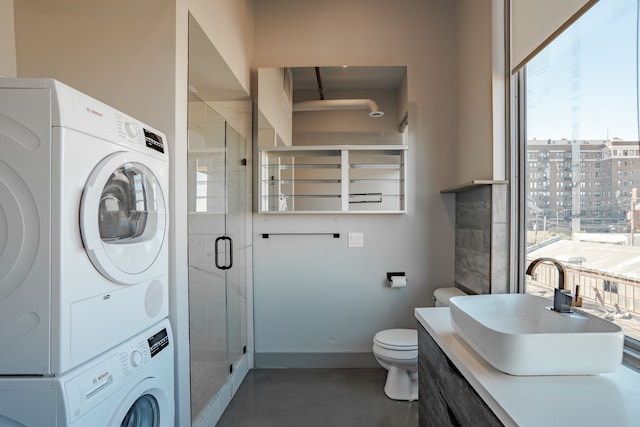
(317, 398)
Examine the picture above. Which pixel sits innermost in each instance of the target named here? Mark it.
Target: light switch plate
(356, 240)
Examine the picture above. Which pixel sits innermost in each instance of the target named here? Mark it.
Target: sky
(584, 84)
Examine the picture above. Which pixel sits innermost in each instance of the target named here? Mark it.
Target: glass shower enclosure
(217, 282)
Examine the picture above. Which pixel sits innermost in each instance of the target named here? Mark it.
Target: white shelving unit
(333, 179)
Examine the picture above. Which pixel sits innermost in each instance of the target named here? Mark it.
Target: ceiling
(348, 78)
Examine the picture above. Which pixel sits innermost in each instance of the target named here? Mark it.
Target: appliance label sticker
(153, 141)
(158, 342)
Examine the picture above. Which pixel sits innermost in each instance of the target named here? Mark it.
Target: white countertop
(596, 400)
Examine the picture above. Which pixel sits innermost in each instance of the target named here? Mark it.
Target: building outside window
(581, 121)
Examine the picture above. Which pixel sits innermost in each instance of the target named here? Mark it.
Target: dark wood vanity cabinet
(446, 398)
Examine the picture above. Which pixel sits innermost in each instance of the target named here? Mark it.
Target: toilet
(397, 351)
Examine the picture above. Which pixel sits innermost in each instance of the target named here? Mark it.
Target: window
(582, 94)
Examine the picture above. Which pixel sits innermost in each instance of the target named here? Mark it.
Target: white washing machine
(83, 227)
(130, 385)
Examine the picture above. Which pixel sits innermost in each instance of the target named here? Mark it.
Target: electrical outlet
(356, 240)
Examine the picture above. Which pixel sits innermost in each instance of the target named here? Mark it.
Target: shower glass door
(236, 228)
(217, 212)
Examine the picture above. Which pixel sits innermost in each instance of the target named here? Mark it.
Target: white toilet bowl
(397, 351)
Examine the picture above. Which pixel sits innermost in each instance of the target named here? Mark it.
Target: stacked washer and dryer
(84, 335)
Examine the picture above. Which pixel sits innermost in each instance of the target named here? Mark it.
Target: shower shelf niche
(333, 179)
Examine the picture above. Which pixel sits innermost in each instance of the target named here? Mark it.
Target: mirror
(302, 106)
(332, 139)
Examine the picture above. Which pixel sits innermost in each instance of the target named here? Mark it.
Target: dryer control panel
(143, 138)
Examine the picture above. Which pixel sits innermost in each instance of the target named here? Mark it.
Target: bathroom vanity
(459, 388)
(446, 397)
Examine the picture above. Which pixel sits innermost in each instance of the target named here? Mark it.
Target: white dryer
(83, 227)
(130, 385)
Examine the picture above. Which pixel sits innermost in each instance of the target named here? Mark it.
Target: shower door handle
(217, 252)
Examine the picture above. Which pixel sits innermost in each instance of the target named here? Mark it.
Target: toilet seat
(397, 339)
(402, 355)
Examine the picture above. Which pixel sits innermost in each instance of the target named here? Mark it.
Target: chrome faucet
(561, 298)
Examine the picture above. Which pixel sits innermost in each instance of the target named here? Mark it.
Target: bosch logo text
(100, 377)
(94, 112)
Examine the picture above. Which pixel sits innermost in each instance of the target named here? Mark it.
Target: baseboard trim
(314, 360)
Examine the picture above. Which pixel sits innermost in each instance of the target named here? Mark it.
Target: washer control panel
(158, 342)
(143, 351)
(93, 383)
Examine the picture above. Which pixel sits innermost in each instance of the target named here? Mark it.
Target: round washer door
(123, 217)
(146, 405)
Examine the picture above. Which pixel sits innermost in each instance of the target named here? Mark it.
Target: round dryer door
(123, 217)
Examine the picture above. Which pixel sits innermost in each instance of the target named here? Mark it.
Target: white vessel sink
(519, 334)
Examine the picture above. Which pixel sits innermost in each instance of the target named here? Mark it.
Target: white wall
(7, 40)
(275, 107)
(83, 45)
(313, 294)
(476, 82)
(229, 26)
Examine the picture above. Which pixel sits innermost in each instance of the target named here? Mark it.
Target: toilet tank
(441, 296)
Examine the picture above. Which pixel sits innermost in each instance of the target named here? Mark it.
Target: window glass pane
(582, 206)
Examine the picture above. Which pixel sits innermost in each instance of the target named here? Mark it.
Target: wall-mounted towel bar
(266, 235)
